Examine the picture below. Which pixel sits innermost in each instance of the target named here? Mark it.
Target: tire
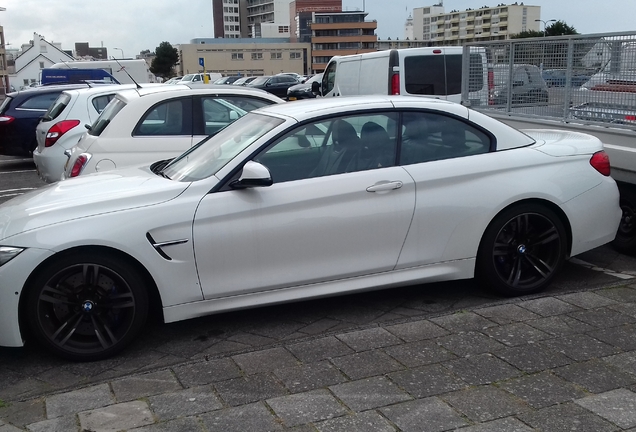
(521, 250)
(86, 306)
(625, 241)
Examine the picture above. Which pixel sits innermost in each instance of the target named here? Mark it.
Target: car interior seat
(377, 149)
(415, 144)
(340, 154)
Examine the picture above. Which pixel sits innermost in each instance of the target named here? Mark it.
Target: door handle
(386, 186)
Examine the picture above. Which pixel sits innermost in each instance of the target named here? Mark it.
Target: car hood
(85, 196)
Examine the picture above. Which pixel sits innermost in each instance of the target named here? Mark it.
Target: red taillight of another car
(57, 130)
(601, 163)
(79, 165)
(5, 119)
(395, 84)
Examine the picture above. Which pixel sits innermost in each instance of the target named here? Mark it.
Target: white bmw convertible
(295, 201)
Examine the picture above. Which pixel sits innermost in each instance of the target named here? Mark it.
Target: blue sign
(202, 61)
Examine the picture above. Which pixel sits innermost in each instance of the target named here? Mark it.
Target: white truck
(603, 103)
(137, 68)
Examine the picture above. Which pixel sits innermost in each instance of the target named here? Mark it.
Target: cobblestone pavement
(432, 357)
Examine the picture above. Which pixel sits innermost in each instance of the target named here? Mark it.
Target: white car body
(215, 237)
(119, 145)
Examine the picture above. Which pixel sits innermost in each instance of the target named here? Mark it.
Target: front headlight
(7, 253)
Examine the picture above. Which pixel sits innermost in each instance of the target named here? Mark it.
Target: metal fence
(586, 79)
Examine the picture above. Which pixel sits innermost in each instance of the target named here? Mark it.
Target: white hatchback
(146, 125)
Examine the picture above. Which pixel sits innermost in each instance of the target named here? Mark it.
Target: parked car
(274, 84)
(303, 90)
(199, 78)
(528, 87)
(64, 123)
(557, 78)
(244, 80)
(173, 80)
(300, 200)
(142, 126)
(20, 113)
(227, 79)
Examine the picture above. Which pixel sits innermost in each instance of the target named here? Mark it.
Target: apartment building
(433, 24)
(4, 73)
(301, 14)
(342, 33)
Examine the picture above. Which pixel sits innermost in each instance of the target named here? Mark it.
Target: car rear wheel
(521, 250)
(625, 241)
(87, 306)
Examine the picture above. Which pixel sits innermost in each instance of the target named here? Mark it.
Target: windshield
(259, 80)
(210, 155)
(111, 110)
(189, 77)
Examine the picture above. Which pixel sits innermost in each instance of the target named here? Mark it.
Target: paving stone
(595, 375)
(566, 418)
(580, 347)
(59, 424)
(59, 379)
(482, 369)
(319, 326)
(149, 384)
(206, 372)
(469, 343)
(485, 403)
(223, 347)
(417, 330)
(508, 424)
(548, 306)
(302, 408)
(184, 403)
(463, 321)
(319, 349)
(586, 299)
(114, 418)
(23, 388)
(79, 400)
(621, 294)
(265, 360)
(506, 313)
(439, 416)
(369, 421)
(516, 334)
(624, 361)
(560, 325)
(532, 357)
(366, 364)
(420, 353)
(276, 329)
(368, 339)
(427, 381)
(621, 337)
(542, 389)
(187, 424)
(310, 376)
(252, 388)
(9, 428)
(618, 406)
(252, 417)
(602, 317)
(23, 413)
(369, 393)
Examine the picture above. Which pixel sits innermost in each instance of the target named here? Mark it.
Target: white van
(430, 71)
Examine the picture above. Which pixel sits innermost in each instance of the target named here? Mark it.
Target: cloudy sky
(135, 25)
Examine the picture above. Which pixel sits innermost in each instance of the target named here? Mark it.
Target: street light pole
(545, 24)
(122, 52)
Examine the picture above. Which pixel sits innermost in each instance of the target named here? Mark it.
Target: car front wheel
(86, 306)
(521, 250)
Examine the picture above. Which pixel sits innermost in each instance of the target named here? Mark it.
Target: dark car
(525, 85)
(227, 79)
(20, 114)
(275, 84)
(303, 91)
(557, 78)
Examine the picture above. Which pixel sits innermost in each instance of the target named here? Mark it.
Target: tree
(166, 56)
(558, 28)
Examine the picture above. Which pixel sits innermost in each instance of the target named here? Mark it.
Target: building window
(237, 56)
(41, 65)
(257, 56)
(294, 55)
(283, 29)
(276, 56)
(43, 48)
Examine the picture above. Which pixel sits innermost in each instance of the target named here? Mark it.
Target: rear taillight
(59, 129)
(601, 163)
(79, 164)
(491, 87)
(395, 84)
(5, 119)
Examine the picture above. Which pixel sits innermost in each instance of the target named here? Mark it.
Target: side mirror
(253, 174)
(315, 87)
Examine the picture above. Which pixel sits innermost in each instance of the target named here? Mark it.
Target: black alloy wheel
(87, 307)
(625, 241)
(522, 250)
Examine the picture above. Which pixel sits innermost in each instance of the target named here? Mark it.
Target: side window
(334, 146)
(248, 103)
(100, 102)
(437, 75)
(218, 113)
(429, 137)
(39, 102)
(171, 117)
(329, 78)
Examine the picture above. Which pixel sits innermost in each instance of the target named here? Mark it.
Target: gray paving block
(252, 417)
(469, 343)
(548, 306)
(602, 317)
(618, 406)
(319, 349)
(580, 347)
(144, 385)
(508, 424)
(79, 400)
(417, 330)
(586, 299)
(303, 408)
(463, 321)
(623, 294)
(516, 334)
(206, 372)
(265, 360)
(366, 364)
(506, 313)
(369, 421)
(23, 413)
(367, 339)
(482, 369)
(114, 418)
(252, 388)
(184, 403)
(560, 325)
(310, 376)
(67, 423)
(318, 327)
(542, 389)
(624, 361)
(186, 424)
(23, 388)
(427, 381)
(408, 416)
(621, 337)
(595, 376)
(420, 353)
(532, 357)
(369, 393)
(485, 403)
(564, 417)
(9, 428)
(223, 347)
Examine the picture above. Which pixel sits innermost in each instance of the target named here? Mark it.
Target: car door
(327, 217)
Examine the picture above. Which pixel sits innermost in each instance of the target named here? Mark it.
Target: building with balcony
(301, 13)
(342, 33)
(437, 27)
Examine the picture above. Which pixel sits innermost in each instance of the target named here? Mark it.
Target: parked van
(199, 78)
(74, 76)
(430, 71)
(137, 68)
